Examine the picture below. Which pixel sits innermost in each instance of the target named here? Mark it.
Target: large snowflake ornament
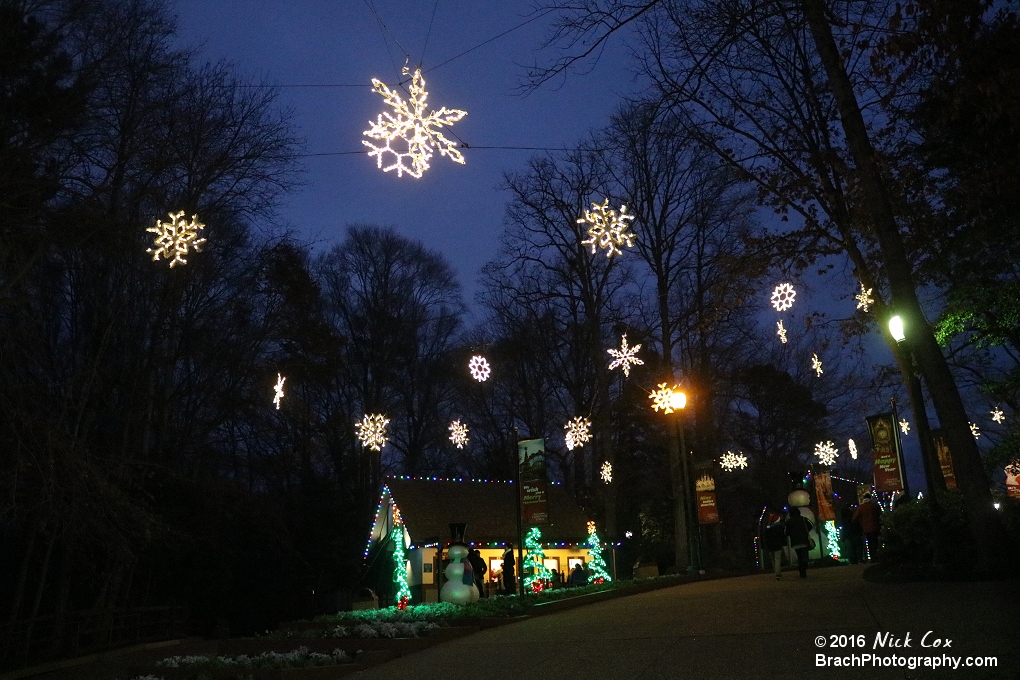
(412, 128)
(905, 427)
(864, 298)
(826, 452)
(608, 229)
(279, 390)
(372, 431)
(606, 473)
(781, 331)
(816, 364)
(998, 416)
(479, 368)
(782, 297)
(662, 398)
(852, 446)
(730, 461)
(459, 434)
(175, 238)
(577, 432)
(625, 356)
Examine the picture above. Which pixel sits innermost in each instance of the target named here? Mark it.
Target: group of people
(508, 572)
(864, 521)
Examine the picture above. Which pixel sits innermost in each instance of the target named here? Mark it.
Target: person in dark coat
(869, 516)
(798, 530)
(775, 541)
(509, 570)
(577, 577)
(853, 539)
(478, 565)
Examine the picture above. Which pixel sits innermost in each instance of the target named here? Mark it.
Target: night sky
(454, 209)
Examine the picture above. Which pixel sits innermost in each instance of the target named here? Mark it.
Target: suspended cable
(463, 146)
(428, 33)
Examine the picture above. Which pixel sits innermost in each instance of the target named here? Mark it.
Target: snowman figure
(799, 498)
(460, 586)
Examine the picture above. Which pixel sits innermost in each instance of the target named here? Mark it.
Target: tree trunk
(984, 522)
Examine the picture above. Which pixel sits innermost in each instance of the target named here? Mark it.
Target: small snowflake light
(781, 331)
(666, 399)
(782, 297)
(606, 472)
(625, 356)
(608, 229)
(372, 431)
(414, 129)
(852, 445)
(904, 427)
(279, 390)
(816, 364)
(577, 432)
(174, 238)
(864, 298)
(975, 430)
(826, 452)
(730, 461)
(998, 416)
(479, 368)
(459, 434)
(628, 534)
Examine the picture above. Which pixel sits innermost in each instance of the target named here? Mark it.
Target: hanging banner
(885, 457)
(708, 513)
(823, 492)
(531, 459)
(1012, 481)
(534, 504)
(938, 438)
(704, 485)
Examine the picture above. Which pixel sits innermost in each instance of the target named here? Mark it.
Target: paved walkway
(747, 627)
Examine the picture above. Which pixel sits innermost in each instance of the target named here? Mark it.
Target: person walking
(775, 541)
(509, 570)
(798, 529)
(478, 566)
(850, 530)
(869, 516)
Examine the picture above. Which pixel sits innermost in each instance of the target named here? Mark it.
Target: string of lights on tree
(399, 561)
(537, 574)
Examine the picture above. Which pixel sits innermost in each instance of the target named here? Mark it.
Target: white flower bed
(298, 658)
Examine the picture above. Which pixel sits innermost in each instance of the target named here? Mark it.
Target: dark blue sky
(455, 209)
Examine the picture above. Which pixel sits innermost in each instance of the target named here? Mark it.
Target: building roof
(428, 507)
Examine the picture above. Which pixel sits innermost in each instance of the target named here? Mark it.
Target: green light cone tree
(597, 572)
(536, 573)
(403, 595)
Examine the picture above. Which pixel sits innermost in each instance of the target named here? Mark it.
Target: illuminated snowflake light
(608, 230)
(975, 430)
(279, 390)
(413, 128)
(625, 356)
(852, 445)
(459, 434)
(174, 238)
(372, 431)
(606, 472)
(730, 461)
(864, 298)
(781, 331)
(479, 368)
(782, 297)
(998, 416)
(577, 432)
(628, 534)
(904, 427)
(826, 452)
(816, 364)
(662, 398)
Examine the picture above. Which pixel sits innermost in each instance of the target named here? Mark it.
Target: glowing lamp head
(677, 400)
(896, 328)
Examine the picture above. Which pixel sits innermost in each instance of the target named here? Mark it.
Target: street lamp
(684, 512)
(896, 328)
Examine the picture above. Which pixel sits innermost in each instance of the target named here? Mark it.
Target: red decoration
(402, 604)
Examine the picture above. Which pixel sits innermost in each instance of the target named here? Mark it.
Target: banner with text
(1012, 481)
(534, 502)
(938, 438)
(704, 485)
(885, 457)
(823, 492)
